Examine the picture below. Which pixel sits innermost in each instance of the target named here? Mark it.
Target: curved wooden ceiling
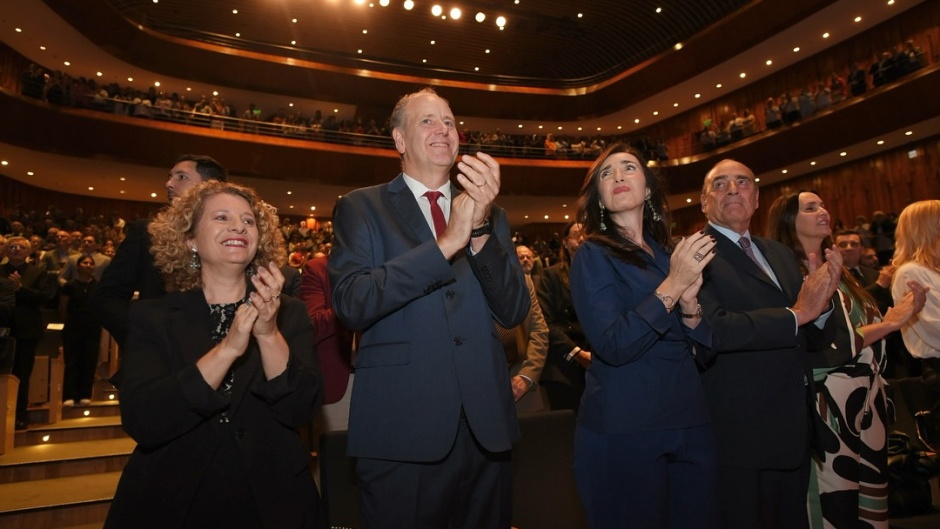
(546, 64)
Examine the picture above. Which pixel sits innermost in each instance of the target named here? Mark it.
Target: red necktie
(437, 214)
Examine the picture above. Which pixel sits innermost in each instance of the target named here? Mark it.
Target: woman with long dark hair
(645, 452)
(849, 482)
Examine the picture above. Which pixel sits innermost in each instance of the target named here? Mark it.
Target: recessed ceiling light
(564, 205)
(290, 104)
(757, 179)
(480, 17)
(566, 217)
(123, 179)
(678, 46)
(858, 19)
(501, 22)
(769, 62)
(826, 35)
(559, 127)
(785, 171)
(796, 49)
(718, 85)
(487, 51)
(409, 5)
(4, 162)
(156, 83)
(43, 48)
(743, 75)
(619, 127)
(546, 217)
(813, 162)
(908, 133)
(540, 127)
(688, 201)
(843, 153)
(91, 188)
(659, 10)
(881, 142)
(122, 191)
(598, 129)
(67, 63)
(238, 34)
(29, 173)
(18, 30)
(520, 125)
(637, 120)
(294, 20)
(359, 51)
(313, 208)
(130, 79)
(365, 32)
(99, 74)
(153, 195)
(234, 11)
(477, 69)
(697, 96)
(655, 112)
(293, 43)
(674, 105)
(432, 43)
(526, 216)
(436, 10)
(215, 92)
(455, 13)
(579, 128)
(384, 3)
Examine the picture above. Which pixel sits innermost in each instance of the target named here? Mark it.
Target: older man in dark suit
(764, 317)
(422, 271)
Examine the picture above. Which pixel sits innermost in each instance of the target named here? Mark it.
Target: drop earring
(649, 204)
(194, 262)
(603, 226)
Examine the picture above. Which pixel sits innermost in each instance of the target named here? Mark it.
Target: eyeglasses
(848, 244)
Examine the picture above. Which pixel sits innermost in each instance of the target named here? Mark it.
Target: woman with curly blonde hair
(218, 375)
(917, 258)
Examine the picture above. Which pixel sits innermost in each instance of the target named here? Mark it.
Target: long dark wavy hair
(590, 215)
(782, 228)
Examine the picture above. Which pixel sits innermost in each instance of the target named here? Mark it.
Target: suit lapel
(777, 262)
(736, 257)
(404, 203)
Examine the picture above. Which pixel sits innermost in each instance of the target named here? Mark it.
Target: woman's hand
(236, 341)
(689, 259)
(265, 300)
(911, 304)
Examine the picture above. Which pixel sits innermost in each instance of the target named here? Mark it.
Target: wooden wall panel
(888, 182)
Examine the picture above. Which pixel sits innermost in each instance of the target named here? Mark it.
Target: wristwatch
(485, 229)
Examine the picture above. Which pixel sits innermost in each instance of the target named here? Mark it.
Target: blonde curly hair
(175, 226)
(917, 235)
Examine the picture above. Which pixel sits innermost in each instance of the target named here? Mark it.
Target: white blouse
(922, 333)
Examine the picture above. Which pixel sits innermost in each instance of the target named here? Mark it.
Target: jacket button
(458, 341)
(450, 294)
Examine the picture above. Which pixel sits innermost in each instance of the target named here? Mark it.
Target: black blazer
(564, 329)
(759, 384)
(131, 270)
(173, 414)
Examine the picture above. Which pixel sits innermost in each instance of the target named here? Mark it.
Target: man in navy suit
(421, 272)
(765, 319)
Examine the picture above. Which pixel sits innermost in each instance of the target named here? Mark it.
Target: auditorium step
(64, 475)
(59, 502)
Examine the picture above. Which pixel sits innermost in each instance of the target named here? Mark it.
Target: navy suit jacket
(643, 375)
(428, 348)
(760, 382)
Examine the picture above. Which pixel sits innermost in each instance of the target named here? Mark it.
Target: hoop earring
(194, 262)
(603, 226)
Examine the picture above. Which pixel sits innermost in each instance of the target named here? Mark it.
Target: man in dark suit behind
(132, 268)
(432, 419)
(759, 386)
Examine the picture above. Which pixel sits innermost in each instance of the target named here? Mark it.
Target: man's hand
(814, 295)
(480, 179)
(457, 234)
(520, 386)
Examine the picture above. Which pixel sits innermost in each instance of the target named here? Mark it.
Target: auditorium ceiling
(603, 66)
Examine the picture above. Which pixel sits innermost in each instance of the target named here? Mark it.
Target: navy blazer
(760, 381)
(428, 348)
(173, 414)
(643, 374)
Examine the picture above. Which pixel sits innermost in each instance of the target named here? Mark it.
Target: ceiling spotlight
(743, 75)
(383, 3)
(826, 35)
(785, 171)
(718, 85)
(293, 20)
(18, 30)
(234, 11)
(659, 10)
(153, 195)
(130, 79)
(843, 153)
(157, 84)
(908, 133)
(688, 201)
(655, 112)
(796, 49)
(769, 62)
(637, 121)
(67, 63)
(99, 74)
(858, 19)
(698, 96)
(409, 5)
(813, 162)
(881, 142)
(480, 17)
(436, 10)
(501, 22)
(455, 13)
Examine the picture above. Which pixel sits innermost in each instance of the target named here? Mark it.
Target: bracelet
(696, 314)
(667, 300)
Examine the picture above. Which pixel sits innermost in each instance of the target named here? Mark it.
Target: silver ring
(248, 302)
(698, 257)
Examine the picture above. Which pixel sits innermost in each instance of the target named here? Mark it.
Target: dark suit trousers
(764, 498)
(470, 488)
(24, 358)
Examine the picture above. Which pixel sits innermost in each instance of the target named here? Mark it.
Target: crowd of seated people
(817, 96)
